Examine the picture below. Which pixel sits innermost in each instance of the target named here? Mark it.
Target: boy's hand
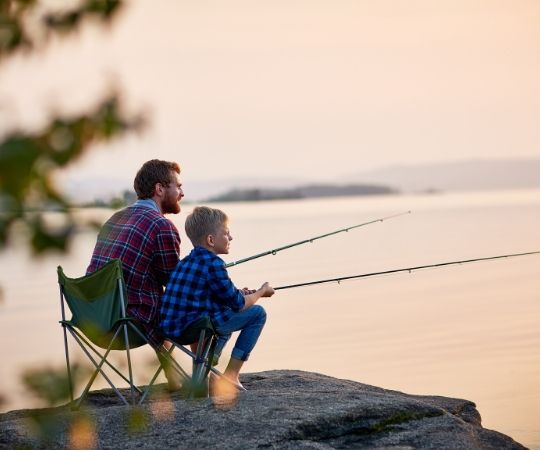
(251, 298)
(247, 291)
(267, 290)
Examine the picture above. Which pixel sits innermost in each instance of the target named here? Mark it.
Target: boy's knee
(259, 313)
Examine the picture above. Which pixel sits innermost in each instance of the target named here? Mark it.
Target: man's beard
(170, 205)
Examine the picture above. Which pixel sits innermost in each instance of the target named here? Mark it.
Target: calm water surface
(470, 331)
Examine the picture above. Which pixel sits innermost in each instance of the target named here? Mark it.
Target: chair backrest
(97, 302)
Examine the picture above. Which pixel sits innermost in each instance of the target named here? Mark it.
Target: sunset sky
(297, 88)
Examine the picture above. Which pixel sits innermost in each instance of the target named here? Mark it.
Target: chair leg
(196, 360)
(203, 362)
(98, 370)
(124, 326)
(167, 359)
(207, 352)
(66, 349)
(179, 369)
(152, 381)
(211, 369)
(91, 347)
(200, 389)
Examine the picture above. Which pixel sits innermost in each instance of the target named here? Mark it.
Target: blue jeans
(250, 324)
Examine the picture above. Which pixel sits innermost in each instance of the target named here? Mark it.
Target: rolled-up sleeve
(222, 288)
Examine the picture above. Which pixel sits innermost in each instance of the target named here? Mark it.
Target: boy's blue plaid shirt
(198, 286)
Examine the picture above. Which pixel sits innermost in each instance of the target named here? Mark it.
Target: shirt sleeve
(167, 251)
(222, 288)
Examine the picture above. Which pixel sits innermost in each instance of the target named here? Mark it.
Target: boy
(200, 286)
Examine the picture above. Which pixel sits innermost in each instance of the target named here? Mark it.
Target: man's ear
(159, 189)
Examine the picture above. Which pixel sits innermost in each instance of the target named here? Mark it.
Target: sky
(302, 89)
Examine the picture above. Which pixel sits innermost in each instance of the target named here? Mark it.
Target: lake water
(469, 331)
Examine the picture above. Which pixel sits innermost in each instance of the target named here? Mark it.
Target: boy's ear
(210, 240)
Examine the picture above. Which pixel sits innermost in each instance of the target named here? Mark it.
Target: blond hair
(202, 222)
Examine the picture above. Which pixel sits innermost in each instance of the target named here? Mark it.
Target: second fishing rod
(405, 269)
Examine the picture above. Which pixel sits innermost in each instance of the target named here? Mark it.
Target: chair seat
(103, 340)
(193, 331)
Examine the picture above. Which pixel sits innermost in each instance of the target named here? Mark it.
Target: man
(147, 243)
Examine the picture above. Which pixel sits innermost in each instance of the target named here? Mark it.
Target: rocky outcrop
(280, 410)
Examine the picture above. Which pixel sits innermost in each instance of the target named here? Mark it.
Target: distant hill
(459, 175)
(106, 188)
(308, 191)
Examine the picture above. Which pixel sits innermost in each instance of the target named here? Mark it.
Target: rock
(281, 410)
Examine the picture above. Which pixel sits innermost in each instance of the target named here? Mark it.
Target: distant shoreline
(301, 192)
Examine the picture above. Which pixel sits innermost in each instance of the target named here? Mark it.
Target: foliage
(138, 420)
(51, 385)
(28, 159)
(20, 32)
(49, 427)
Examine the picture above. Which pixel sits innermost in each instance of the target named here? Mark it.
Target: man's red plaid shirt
(148, 245)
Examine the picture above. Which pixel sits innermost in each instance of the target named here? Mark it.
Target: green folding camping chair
(98, 304)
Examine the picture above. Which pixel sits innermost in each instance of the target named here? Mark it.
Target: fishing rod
(310, 240)
(408, 269)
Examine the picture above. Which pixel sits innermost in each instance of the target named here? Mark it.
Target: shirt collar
(201, 249)
(148, 203)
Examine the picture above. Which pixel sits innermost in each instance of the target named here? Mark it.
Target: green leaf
(44, 238)
(137, 420)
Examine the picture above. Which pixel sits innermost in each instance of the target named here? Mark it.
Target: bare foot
(223, 392)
